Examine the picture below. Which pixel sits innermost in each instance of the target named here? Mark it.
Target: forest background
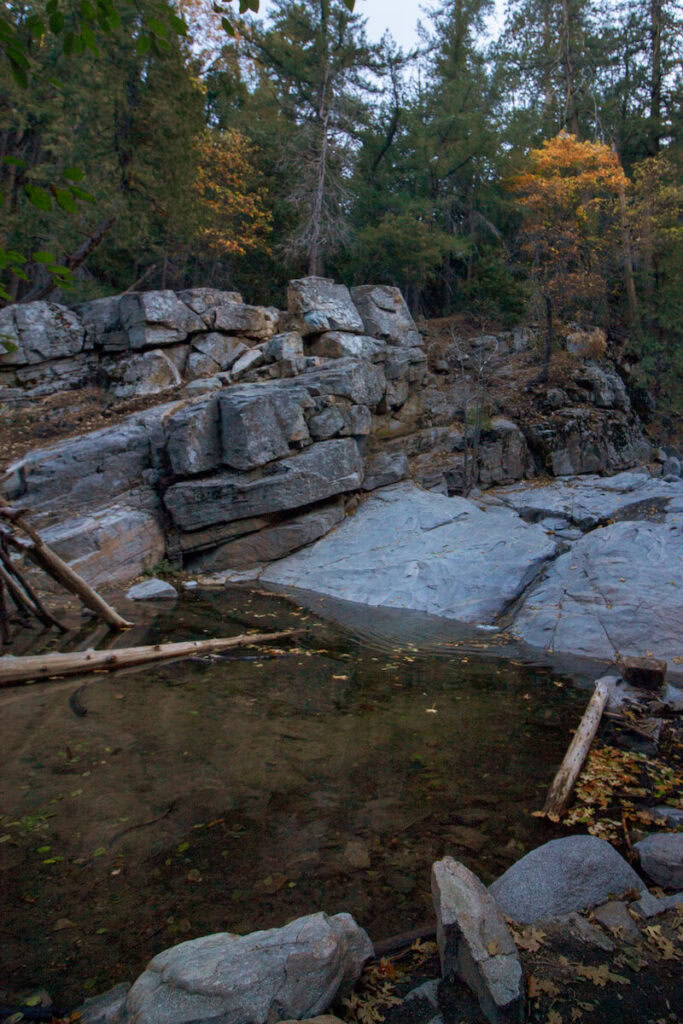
(502, 178)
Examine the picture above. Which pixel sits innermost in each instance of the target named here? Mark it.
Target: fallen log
(563, 784)
(44, 557)
(45, 666)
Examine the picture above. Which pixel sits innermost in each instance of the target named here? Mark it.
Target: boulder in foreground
(568, 874)
(291, 972)
(475, 943)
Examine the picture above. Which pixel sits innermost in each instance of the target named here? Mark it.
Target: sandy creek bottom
(222, 795)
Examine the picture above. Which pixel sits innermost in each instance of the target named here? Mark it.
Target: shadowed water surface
(236, 793)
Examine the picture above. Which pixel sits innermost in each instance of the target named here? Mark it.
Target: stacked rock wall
(278, 421)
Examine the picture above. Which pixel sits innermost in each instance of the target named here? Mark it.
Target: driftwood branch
(563, 784)
(45, 666)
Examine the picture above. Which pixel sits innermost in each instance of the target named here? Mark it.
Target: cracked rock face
(617, 589)
(408, 548)
(291, 972)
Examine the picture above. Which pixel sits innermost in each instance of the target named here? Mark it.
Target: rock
(202, 300)
(152, 319)
(358, 380)
(574, 873)
(42, 331)
(407, 548)
(249, 360)
(111, 544)
(616, 918)
(289, 345)
(384, 469)
(109, 1008)
(258, 422)
(324, 305)
(153, 589)
(671, 816)
(644, 673)
(203, 386)
(467, 837)
(327, 468)
(356, 854)
(292, 972)
(213, 536)
(475, 943)
(587, 501)
(587, 344)
(326, 423)
(193, 443)
(357, 421)
(607, 387)
(580, 928)
(101, 319)
(661, 857)
(611, 593)
(212, 353)
(271, 542)
(503, 453)
(396, 394)
(148, 374)
(671, 467)
(650, 906)
(385, 314)
(338, 345)
(237, 318)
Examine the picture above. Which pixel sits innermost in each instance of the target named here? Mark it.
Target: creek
(236, 793)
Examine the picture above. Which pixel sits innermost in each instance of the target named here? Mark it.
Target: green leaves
(38, 197)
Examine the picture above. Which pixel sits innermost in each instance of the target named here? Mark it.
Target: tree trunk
(655, 76)
(548, 349)
(571, 113)
(316, 257)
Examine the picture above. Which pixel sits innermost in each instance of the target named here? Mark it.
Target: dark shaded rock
(564, 875)
(385, 468)
(327, 468)
(193, 438)
(651, 906)
(475, 943)
(326, 423)
(101, 319)
(109, 1008)
(615, 917)
(289, 345)
(661, 857)
(645, 673)
(271, 542)
(292, 972)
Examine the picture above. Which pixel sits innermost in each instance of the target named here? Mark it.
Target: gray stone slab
(193, 438)
(41, 331)
(339, 345)
(255, 322)
(475, 943)
(651, 906)
(148, 373)
(358, 380)
(202, 300)
(154, 319)
(614, 916)
(407, 548)
(617, 590)
(384, 469)
(153, 589)
(259, 422)
(108, 1008)
(325, 469)
(293, 972)
(574, 873)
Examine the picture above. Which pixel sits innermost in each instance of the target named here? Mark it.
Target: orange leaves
(233, 215)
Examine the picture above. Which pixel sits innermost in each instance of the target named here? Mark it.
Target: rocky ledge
(326, 451)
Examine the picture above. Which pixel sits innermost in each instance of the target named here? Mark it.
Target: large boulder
(474, 942)
(292, 972)
(385, 314)
(360, 381)
(41, 332)
(325, 469)
(407, 548)
(661, 858)
(561, 876)
(259, 422)
(614, 592)
(101, 319)
(323, 305)
(154, 319)
(270, 543)
(212, 353)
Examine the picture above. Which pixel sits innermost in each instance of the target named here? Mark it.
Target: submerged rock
(407, 548)
(568, 874)
(292, 972)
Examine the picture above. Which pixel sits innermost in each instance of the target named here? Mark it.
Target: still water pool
(236, 793)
